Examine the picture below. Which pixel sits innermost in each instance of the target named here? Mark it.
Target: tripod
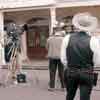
(13, 43)
(13, 62)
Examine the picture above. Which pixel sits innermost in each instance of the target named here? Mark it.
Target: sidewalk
(36, 88)
(36, 64)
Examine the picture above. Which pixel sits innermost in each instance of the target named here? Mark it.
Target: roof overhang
(52, 5)
(78, 4)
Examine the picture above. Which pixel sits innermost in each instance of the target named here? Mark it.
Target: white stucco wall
(23, 3)
(35, 3)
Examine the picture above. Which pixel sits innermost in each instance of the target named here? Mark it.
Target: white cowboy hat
(58, 24)
(60, 33)
(85, 22)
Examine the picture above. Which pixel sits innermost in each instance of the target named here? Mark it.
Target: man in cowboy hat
(79, 54)
(53, 46)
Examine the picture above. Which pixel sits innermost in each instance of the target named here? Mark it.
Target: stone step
(36, 64)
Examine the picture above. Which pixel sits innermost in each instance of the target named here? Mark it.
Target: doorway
(37, 36)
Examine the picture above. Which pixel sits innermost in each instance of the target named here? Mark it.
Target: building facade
(40, 15)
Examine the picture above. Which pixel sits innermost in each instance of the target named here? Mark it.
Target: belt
(87, 70)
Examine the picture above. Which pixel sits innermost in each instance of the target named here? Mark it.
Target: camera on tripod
(13, 49)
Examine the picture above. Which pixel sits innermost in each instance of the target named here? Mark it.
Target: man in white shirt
(54, 48)
(79, 54)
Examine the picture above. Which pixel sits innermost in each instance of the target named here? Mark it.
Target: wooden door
(37, 37)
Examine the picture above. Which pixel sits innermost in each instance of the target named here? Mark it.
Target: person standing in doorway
(54, 46)
(79, 54)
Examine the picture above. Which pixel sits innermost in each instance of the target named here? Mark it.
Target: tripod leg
(12, 66)
(14, 63)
